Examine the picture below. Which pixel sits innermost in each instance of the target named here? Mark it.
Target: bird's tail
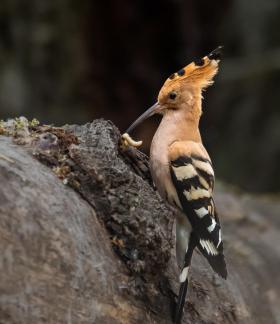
(181, 301)
(184, 279)
(217, 262)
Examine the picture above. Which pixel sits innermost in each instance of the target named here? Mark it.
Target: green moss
(20, 123)
(11, 127)
(34, 122)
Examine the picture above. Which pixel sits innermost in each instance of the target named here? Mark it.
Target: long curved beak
(148, 113)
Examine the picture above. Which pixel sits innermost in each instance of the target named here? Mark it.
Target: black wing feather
(206, 226)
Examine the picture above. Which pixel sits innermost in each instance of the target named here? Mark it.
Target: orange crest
(199, 73)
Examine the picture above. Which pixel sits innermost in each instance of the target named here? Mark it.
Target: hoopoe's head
(182, 90)
(184, 86)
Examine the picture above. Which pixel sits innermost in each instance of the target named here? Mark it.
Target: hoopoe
(182, 169)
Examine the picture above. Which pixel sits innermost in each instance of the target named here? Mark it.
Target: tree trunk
(85, 238)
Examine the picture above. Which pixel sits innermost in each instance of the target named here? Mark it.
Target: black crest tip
(181, 72)
(199, 62)
(172, 76)
(216, 54)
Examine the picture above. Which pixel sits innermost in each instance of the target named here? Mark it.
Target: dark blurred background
(69, 61)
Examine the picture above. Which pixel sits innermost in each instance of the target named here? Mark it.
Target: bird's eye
(172, 95)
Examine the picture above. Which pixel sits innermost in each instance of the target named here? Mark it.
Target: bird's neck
(176, 125)
(179, 125)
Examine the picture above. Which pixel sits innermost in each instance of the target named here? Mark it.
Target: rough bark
(85, 238)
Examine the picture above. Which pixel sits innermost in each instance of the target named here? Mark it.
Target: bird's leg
(184, 280)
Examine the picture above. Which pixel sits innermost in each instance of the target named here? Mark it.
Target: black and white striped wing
(193, 178)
